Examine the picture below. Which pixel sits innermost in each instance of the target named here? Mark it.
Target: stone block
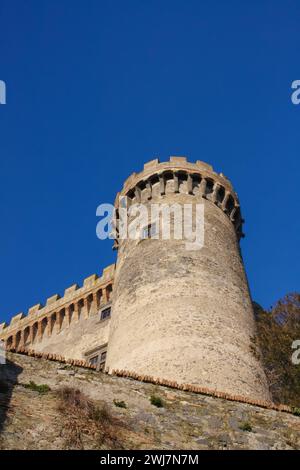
(178, 159)
(71, 289)
(151, 164)
(89, 281)
(16, 318)
(35, 308)
(53, 299)
(204, 165)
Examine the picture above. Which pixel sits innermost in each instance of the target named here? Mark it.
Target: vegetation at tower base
(277, 329)
(82, 416)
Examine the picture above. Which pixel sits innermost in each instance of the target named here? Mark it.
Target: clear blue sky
(96, 88)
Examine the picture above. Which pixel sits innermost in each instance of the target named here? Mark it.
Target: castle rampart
(40, 327)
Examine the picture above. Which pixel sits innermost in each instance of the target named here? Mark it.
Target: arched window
(61, 317)
(221, 194)
(43, 326)
(18, 339)
(80, 308)
(98, 297)
(230, 204)
(89, 303)
(52, 322)
(34, 331)
(71, 312)
(109, 292)
(209, 186)
(26, 335)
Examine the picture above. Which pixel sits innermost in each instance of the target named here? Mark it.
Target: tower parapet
(197, 179)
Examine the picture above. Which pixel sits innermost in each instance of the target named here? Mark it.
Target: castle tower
(179, 314)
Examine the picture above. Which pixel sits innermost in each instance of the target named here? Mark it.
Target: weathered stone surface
(181, 315)
(72, 341)
(68, 325)
(185, 315)
(187, 421)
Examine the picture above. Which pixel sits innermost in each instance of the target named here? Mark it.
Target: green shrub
(156, 401)
(43, 388)
(120, 404)
(246, 427)
(296, 411)
(277, 329)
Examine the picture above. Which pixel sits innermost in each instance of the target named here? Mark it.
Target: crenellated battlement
(178, 163)
(198, 179)
(75, 303)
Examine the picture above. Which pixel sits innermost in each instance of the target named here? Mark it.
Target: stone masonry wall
(186, 315)
(69, 325)
(30, 420)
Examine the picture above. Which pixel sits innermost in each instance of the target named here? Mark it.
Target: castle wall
(70, 325)
(76, 339)
(186, 315)
(183, 315)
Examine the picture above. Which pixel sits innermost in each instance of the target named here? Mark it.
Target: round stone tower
(185, 314)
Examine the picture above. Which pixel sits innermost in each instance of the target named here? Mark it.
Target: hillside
(85, 409)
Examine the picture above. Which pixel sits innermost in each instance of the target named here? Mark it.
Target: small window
(149, 231)
(103, 356)
(93, 360)
(123, 202)
(105, 313)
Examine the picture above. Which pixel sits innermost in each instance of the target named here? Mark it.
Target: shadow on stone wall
(9, 373)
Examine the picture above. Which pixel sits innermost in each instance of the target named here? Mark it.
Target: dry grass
(86, 423)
